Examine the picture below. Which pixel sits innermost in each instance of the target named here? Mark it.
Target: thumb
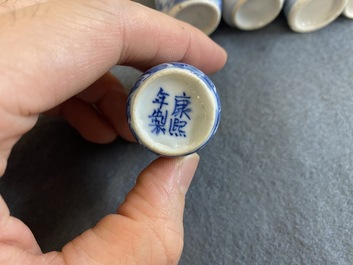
(148, 228)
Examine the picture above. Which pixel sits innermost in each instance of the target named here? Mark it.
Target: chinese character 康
(181, 106)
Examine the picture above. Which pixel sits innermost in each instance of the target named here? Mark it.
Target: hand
(54, 58)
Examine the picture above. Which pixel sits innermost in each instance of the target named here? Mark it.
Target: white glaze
(202, 14)
(203, 115)
(251, 14)
(348, 11)
(311, 15)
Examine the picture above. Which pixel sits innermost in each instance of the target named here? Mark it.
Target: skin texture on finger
(98, 112)
(88, 121)
(110, 98)
(12, 5)
(70, 44)
(14, 233)
(116, 116)
(54, 50)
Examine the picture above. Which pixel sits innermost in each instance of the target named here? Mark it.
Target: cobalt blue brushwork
(179, 118)
(173, 109)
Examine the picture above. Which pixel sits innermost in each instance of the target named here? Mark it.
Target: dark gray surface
(275, 186)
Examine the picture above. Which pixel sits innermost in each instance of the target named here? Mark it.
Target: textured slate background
(275, 186)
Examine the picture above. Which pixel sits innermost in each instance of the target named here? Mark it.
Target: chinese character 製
(158, 121)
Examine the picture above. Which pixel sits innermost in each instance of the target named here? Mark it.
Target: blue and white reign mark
(167, 113)
(179, 114)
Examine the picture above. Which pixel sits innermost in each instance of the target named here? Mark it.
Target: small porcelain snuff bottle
(173, 109)
(202, 14)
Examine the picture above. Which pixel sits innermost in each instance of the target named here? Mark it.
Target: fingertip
(84, 118)
(127, 135)
(167, 39)
(187, 169)
(224, 56)
(163, 184)
(173, 171)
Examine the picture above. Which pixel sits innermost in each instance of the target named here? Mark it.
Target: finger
(106, 101)
(14, 233)
(116, 116)
(110, 98)
(70, 44)
(98, 89)
(148, 228)
(85, 118)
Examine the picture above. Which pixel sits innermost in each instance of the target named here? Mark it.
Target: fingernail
(186, 171)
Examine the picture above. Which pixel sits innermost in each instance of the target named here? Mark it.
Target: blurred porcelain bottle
(348, 10)
(311, 15)
(250, 14)
(202, 14)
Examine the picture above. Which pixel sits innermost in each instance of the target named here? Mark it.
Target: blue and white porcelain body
(310, 15)
(173, 109)
(250, 14)
(202, 14)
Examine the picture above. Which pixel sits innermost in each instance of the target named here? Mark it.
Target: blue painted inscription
(178, 119)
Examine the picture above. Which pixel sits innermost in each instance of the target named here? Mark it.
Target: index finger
(54, 50)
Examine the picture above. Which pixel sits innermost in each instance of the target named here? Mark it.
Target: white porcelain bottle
(250, 14)
(310, 15)
(173, 109)
(348, 10)
(202, 14)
